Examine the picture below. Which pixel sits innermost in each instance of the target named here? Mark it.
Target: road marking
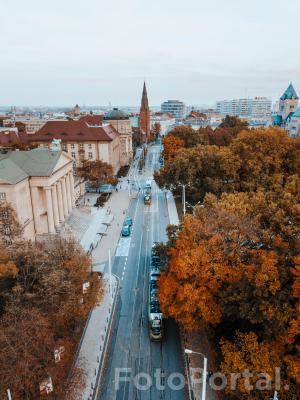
(123, 247)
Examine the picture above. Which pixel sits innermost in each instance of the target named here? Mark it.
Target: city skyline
(100, 53)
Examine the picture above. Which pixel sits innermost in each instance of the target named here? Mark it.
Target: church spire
(144, 102)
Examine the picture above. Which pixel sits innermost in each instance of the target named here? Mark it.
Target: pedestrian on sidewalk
(208, 377)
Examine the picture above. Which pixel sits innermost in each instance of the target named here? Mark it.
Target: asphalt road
(130, 346)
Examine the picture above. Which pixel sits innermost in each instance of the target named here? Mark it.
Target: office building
(175, 107)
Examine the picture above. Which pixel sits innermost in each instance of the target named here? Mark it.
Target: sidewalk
(93, 345)
(117, 206)
(172, 210)
(198, 342)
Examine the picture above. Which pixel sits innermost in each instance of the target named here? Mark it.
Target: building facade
(39, 185)
(121, 122)
(256, 108)
(293, 125)
(175, 107)
(83, 141)
(166, 121)
(288, 114)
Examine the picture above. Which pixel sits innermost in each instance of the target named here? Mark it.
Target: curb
(106, 341)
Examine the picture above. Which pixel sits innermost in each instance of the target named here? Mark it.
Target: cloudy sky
(62, 52)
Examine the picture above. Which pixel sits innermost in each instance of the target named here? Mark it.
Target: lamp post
(183, 200)
(195, 205)
(9, 394)
(187, 351)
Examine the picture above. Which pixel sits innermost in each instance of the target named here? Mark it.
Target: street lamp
(183, 200)
(188, 351)
(9, 394)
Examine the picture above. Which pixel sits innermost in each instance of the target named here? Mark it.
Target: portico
(47, 179)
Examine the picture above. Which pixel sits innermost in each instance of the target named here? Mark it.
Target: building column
(51, 228)
(64, 196)
(35, 208)
(60, 202)
(71, 179)
(68, 188)
(55, 205)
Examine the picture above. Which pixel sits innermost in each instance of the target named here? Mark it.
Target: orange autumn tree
(293, 360)
(199, 267)
(247, 353)
(44, 307)
(171, 145)
(218, 272)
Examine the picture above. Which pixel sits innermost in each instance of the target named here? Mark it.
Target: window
(81, 146)
(72, 146)
(4, 214)
(90, 146)
(90, 155)
(64, 147)
(7, 230)
(2, 196)
(73, 154)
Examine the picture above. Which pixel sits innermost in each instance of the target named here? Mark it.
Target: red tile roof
(8, 137)
(74, 131)
(92, 119)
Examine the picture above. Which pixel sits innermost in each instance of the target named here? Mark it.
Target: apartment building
(256, 108)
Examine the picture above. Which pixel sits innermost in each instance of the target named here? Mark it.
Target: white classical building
(39, 185)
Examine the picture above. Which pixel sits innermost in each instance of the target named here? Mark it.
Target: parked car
(125, 230)
(128, 222)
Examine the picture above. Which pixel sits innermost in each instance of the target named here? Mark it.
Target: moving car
(147, 198)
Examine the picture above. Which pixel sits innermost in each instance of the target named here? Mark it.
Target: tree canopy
(233, 265)
(97, 172)
(43, 308)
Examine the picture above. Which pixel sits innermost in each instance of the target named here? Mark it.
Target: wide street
(130, 348)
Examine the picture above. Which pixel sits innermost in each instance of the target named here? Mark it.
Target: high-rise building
(175, 107)
(258, 107)
(145, 114)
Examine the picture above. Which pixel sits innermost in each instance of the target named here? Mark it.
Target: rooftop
(16, 166)
(115, 114)
(75, 131)
(297, 113)
(289, 94)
